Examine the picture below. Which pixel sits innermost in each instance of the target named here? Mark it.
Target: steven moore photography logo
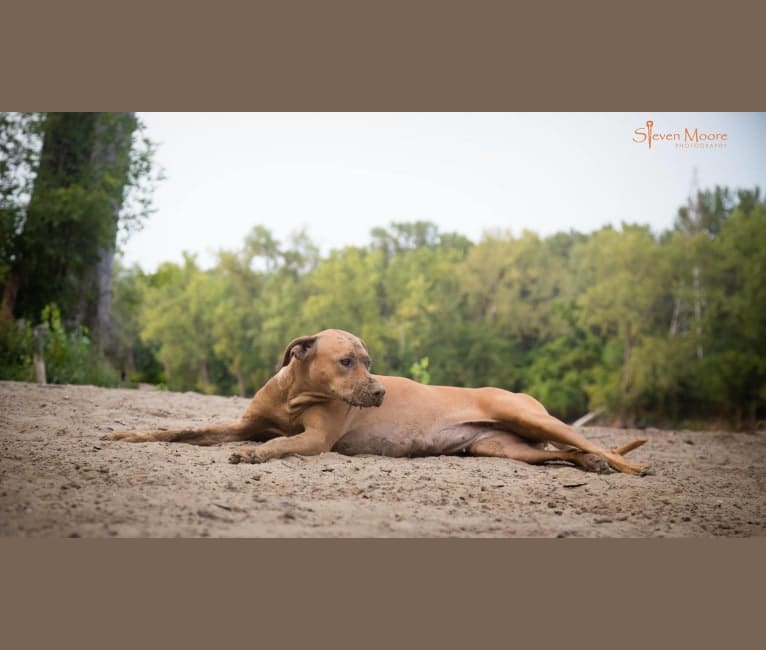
(689, 138)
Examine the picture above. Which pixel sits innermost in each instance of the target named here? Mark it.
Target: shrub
(70, 356)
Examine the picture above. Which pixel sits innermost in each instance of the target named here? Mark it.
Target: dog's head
(336, 363)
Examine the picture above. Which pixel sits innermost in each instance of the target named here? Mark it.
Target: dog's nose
(378, 393)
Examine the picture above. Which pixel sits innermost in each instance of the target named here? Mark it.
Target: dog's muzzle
(369, 396)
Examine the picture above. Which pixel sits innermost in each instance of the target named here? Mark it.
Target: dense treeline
(647, 328)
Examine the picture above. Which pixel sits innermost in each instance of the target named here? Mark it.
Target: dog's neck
(291, 386)
(301, 401)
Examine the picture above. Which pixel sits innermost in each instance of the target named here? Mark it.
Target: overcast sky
(340, 175)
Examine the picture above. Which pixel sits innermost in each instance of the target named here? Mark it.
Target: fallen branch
(38, 360)
(581, 422)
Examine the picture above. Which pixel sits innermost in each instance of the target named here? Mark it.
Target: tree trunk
(130, 361)
(698, 309)
(238, 374)
(103, 280)
(111, 154)
(675, 321)
(627, 351)
(38, 360)
(205, 374)
(9, 297)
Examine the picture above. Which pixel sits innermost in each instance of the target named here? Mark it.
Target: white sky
(342, 174)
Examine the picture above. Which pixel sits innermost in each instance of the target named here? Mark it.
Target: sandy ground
(57, 478)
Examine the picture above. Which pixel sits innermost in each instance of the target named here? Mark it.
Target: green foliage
(136, 358)
(20, 138)
(419, 371)
(16, 349)
(70, 357)
(623, 276)
(561, 371)
(736, 313)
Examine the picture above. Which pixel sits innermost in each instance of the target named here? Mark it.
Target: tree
(135, 358)
(343, 292)
(734, 369)
(237, 317)
(421, 305)
(624, 276)
(282, 294)
(179, 316)
(61, 243)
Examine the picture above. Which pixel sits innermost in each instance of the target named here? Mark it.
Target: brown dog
(324, 398)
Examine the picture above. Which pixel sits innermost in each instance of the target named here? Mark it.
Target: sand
(57, 478)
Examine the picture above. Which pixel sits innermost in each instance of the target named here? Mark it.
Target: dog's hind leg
(524, 416)
(507, 445)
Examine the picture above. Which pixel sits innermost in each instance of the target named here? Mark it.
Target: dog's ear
(298, 348)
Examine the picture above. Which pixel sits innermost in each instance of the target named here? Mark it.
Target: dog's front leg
(323, 426)
(308, 443)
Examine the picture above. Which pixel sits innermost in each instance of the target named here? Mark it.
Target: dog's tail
(615, 458)
(615, 455)
(630, 446)
(618, 450)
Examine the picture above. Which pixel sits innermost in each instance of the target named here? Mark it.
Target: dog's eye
(346, 362)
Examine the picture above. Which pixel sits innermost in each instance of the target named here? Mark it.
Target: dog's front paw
(246, 456)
